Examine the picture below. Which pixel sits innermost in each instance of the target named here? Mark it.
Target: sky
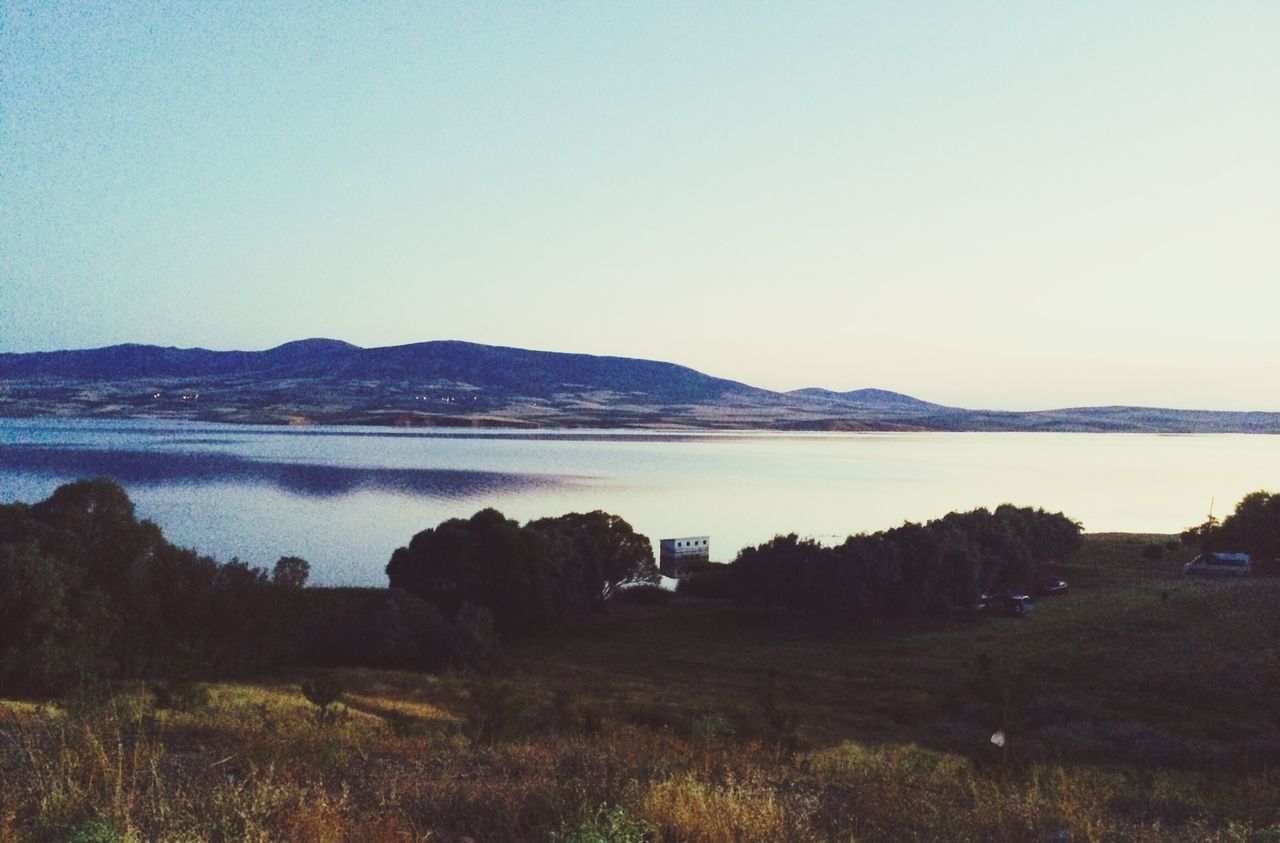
(985, 204)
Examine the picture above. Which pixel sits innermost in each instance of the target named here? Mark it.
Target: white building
(675, 556)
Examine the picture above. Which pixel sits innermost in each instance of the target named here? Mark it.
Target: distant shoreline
(587, 425)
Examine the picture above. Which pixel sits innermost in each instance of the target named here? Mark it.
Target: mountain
(510, 370)
(326, 381)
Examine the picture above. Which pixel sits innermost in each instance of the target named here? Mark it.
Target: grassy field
(1142, 706)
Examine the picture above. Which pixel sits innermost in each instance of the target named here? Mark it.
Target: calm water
(344, 498)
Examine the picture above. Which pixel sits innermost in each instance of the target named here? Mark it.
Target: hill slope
(512, 370)
(879, 398)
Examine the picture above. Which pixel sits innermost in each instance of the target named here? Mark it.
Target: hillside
(881, 399)
(443, 383)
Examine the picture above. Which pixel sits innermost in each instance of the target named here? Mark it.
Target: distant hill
(451, 383)
(513, 370)
(133, 361)
(869, 398)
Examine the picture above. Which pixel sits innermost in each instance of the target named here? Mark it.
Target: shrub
(473, 640)
(179, 694)
(97, 830)
(575, 714)
(711, 583)
(781, 722)
(609, 825)
(322, 691)
(496, 711)
(645, 595)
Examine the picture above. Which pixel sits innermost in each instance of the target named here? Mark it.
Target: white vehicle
(1220, 564)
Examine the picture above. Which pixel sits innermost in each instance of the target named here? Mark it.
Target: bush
(473, 642)
(711, 583)
(496, 711)
(574, 714)
(609, 825)
(646, 595)
(97, 830)
(322, 691)
(179, 694)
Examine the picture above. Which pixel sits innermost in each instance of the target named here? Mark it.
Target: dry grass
(110, 777)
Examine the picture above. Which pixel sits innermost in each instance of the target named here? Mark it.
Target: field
(1142, 706)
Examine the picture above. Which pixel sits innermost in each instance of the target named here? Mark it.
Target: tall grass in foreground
(257, 765)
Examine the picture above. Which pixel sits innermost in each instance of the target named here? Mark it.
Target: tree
(609, 551)
(43, 647)
(1254, 527)
(486, 560)
(290, 572)
(527, 577)
(907, 570)
(87, 590)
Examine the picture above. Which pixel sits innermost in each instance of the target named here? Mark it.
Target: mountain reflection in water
(160, 468)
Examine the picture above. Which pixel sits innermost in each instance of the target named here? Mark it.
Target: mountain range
(451, 383)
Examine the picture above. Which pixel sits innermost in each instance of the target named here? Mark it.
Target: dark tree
(608, 550)
(1254, 527)
(911, 569)
(526, 577)
(291, 572)
(87, 590)
(486, 560)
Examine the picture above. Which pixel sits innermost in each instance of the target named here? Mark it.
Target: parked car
(1009, 605)
(1220, 564)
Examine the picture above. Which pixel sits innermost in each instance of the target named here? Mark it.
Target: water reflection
(160, 468)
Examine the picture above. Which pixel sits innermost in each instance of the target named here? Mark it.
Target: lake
(345, 497)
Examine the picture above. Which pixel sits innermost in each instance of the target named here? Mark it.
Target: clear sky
(1008, 205)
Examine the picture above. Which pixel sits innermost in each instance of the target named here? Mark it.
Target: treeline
(910, 570)
(89, 591)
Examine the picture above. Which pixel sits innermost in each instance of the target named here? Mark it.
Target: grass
(1139, 707)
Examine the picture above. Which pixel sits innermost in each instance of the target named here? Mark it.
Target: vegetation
(1139, 714)
(88, 590)
(529, 577)
(914, 569)
(1253, 528)
(645, 593)
(1133, 709)
(707, 579)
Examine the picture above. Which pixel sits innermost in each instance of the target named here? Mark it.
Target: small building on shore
(677, 556)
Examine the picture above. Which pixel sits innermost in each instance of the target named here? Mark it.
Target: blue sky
(1006, 205)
